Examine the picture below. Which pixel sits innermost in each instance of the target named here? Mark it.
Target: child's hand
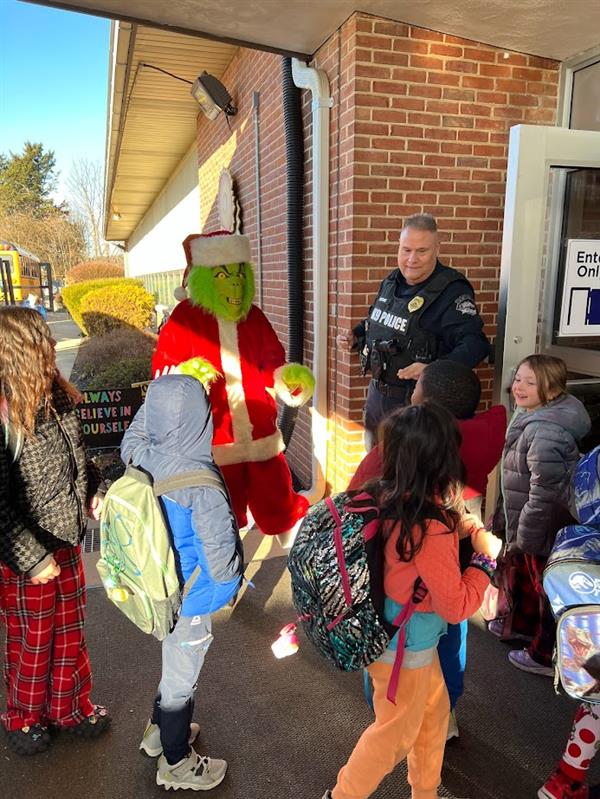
(51, 571)
(486, 543)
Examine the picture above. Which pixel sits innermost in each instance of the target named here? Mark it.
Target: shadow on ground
(286, 726)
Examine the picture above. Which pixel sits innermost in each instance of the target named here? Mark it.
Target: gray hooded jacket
(541, 447)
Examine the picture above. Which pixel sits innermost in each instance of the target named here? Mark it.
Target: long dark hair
(423, 474)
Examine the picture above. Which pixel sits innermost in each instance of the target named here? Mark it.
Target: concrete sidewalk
(68, 339)
(286, 726)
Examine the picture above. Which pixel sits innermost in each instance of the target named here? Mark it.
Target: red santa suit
(247, 444)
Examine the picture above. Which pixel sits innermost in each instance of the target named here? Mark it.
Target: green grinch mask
(225, 291)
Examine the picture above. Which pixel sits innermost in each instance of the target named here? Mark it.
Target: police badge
(415, 304)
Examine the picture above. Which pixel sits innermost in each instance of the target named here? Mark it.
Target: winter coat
(44, 494)
(541, 447)
(170, 435)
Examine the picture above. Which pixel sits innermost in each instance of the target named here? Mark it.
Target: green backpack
(137, 562)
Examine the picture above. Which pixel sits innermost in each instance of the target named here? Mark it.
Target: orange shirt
(452, 595)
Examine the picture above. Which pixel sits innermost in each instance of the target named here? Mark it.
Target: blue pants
(452, 651)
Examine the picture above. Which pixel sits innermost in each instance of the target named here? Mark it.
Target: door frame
(528, 217)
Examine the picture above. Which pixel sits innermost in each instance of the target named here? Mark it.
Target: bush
(97, 355)
(114, 306)
(94, 270)
(73, 295)
(121, 374)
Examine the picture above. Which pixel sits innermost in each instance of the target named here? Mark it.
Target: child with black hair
(419, 497)
(457, 388)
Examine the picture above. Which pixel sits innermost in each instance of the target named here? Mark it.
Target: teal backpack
(138, 565)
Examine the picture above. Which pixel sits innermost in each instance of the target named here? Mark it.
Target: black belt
(397, 392)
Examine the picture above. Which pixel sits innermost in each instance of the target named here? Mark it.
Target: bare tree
(85, 184)
(53, 237)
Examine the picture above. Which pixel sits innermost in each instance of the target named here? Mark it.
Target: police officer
(423, 311)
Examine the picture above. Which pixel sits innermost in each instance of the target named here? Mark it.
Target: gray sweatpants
(183, 652)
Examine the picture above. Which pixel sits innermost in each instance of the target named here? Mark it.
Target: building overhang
(151, 121)
(548, 28)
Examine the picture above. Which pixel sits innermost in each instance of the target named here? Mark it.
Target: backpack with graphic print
(572, 584)
(137, 563)
(336, 566)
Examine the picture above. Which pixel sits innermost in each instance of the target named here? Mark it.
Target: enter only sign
(580, 310)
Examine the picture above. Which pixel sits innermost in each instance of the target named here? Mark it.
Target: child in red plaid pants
(46, 487)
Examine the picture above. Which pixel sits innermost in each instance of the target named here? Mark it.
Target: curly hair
(27, 367)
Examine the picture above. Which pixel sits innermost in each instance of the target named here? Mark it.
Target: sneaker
(150, 743)
(559, 786)
(327, 795)
(452, 727)
(496, 627)
(523, 660)
(32, 740)
(194, 772)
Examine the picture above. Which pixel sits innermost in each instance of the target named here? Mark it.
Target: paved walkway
(68, 338)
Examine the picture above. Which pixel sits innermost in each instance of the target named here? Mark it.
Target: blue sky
(53, 82)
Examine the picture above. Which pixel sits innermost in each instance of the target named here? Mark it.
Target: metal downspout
(316, 81)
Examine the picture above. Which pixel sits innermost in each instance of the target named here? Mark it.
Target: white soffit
(555, 29)
(151, 117)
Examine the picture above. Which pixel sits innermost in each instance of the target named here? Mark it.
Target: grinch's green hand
(201, 369)
(294, 383)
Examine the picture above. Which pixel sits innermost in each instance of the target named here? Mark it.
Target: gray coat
(541, 447)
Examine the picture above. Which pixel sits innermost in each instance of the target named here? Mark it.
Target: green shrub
(94, 270)
(98, 354)
(122, 374)
(116, 306)
(72, 296)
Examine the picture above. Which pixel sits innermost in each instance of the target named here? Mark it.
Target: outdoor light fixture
(212, 96)
(116, 216)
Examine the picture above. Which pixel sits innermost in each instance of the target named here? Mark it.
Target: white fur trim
(232, 372)
(180, 293)
(257, 450)
(232, 248)
(293, 400)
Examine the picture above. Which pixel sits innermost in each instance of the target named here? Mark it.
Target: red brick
(373, 42)
(443, 106)
(389, 28)
(458, 121)
(426, 62)
(479, 54)
(475, 109)
(388, 87)
(449, 50)
(425, 91)
(443, 79)
(513, 59)
(492, 97)
(409, 75)
(462, 66)
(467, 95)
(373, 71)
(458, 148)
(474, 82)
(424, 33)
(438, 185)
(423, 119)
(525, 73)
(411, 46)
(440, 160)
(473, 135)
(388, 115)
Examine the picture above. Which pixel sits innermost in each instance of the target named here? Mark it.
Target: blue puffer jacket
(170, 435)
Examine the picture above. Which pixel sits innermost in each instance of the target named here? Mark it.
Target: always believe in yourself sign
(105, 415)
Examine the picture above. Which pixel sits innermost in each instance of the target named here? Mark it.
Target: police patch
(465, 305)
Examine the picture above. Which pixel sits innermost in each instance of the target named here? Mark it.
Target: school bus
(24, 270)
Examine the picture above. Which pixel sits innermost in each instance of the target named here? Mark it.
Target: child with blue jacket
(170, 435)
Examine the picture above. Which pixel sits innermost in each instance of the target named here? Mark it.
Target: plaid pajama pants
(46, 667)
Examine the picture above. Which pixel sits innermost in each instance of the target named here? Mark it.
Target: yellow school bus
(24, 270)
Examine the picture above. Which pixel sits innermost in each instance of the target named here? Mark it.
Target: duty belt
(397, 392)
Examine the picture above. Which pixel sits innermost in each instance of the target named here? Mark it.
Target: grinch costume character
(219, 325)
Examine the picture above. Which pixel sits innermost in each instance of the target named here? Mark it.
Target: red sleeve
(368, 469)
(173, 345)
(454, 596)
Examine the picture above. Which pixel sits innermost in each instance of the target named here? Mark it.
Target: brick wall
(424, 127)
(420, 123)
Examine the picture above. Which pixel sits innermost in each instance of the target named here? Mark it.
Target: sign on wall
(106, 414)
(580, 310)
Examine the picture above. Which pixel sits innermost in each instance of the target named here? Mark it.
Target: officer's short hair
(421, 222)
(452, 385)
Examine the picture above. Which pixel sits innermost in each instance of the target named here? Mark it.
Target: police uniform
(434, 319)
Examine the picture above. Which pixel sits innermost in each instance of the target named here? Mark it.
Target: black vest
(393, 336)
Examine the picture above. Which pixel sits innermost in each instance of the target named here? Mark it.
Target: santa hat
(212, 249)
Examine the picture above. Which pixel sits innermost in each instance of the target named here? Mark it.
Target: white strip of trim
(232, 372)
(260, 449)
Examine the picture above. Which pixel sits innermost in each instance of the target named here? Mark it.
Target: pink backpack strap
(339, 550)
(401, 620)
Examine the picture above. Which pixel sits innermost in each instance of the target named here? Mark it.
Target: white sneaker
(150, 743)
(452, 727)
(194, 772)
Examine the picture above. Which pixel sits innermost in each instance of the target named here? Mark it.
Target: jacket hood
(566, 411)
(178, 426)
(586, 488)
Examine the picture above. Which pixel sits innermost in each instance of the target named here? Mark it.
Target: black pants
(379, 405)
